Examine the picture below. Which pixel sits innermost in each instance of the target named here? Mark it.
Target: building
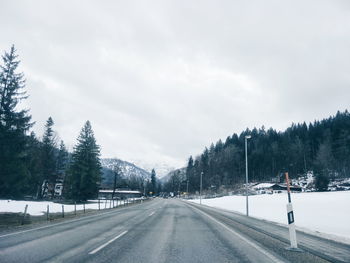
(263, 188)
(279, 188)
(270, 188)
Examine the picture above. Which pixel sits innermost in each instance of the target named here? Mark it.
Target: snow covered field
(39, 208)
(325, 212)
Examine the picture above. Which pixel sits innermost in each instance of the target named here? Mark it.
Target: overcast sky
(160, 80)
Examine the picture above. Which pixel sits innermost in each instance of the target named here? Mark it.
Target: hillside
(322, 147)
(162, 169)
(130, 175)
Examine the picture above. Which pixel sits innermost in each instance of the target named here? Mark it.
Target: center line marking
(151, 214)
(107, 243)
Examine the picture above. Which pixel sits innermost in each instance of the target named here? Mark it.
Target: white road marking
(257, 247)
(151, 214)
(107, 243)
(62, 223)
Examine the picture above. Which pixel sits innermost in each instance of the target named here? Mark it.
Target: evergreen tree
(34, 165)
(323, 166)
(116, 173)
(62, 161)
(321, 182)
(14, 124)
(49, 158)
(322, 146)
(190, 174)
(84, 173)
(153, 181)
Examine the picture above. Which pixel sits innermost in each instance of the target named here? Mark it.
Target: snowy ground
(326, 212)
(39, 208)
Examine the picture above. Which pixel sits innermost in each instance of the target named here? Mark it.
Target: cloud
(160, 80)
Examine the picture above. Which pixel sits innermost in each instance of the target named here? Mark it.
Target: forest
(322, 147)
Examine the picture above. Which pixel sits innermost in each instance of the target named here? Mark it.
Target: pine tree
(62, 160)
(49, 158)
(321, 182)
(189, 173)
(116, 173)
(322, 146)
(14, 124)
(153, 182)
(323, 165)
(34, 164)
(84, 173)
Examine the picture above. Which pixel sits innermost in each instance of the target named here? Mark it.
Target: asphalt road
(164, 230)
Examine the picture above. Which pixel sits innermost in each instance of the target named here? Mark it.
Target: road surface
(164, 230)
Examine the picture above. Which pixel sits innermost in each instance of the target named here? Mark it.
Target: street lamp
(200, 189)
(246, 173)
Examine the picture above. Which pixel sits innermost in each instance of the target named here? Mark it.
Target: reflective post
(200, 189)
(246, 174)
(291, 225)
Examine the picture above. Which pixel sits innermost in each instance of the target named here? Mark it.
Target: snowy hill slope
(127, 170)
(180, 172)
(161, 168)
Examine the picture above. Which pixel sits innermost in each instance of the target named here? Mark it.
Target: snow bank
(325, 212)
(39, 208)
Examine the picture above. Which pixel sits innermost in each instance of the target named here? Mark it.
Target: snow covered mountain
(162, 169)
(181, 172)
(128, 170)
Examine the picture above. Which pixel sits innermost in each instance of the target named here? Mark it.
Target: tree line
(322, 147)
(30, 166)
(114, 178)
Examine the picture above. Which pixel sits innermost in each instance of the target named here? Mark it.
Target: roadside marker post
(200, 189)
(48, 213)
(291, 225)
(62, 211)
(24, 215)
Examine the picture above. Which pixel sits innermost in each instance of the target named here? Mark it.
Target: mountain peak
(161, 168)
(127, 170)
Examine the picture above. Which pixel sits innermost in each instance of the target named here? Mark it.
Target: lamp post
(246, 173)
(200, 189)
